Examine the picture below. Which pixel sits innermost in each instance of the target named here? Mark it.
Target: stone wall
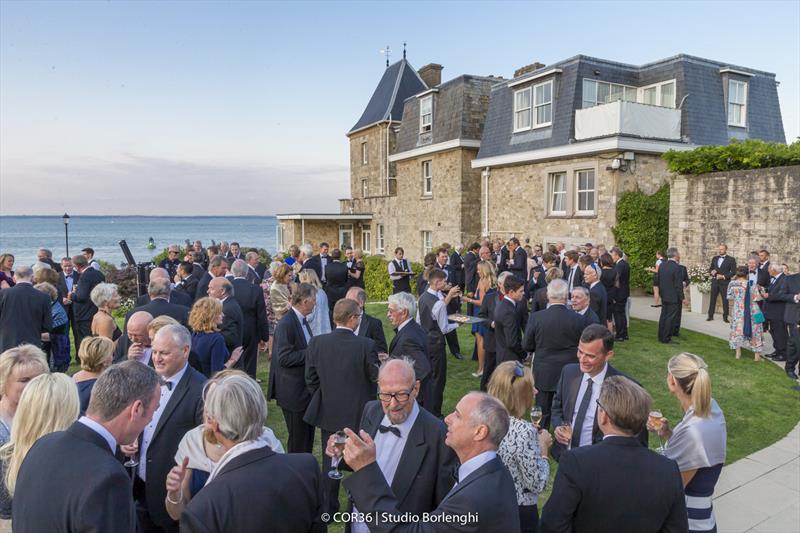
(745, 209)
(374, 171)
(518, 198)
(317, 231)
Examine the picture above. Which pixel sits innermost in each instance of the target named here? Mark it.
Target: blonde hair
(3, 258)
(690, 373)
(159, 322)
(93, 353)
(204, 315)
(486, 271)
(516, 392)
(49, 403)
(45, 275)
(553, 273)
(103, 293)
(309, 276)
(282, 273)
(25, 355)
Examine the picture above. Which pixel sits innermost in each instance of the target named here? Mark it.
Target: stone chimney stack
(431, 74)
(528, 68)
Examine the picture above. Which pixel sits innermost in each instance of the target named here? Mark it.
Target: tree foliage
(376, 278)
(737, 155)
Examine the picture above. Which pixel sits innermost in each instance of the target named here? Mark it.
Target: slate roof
(399, 81)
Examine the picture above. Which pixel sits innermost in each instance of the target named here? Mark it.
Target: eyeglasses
(401, 397)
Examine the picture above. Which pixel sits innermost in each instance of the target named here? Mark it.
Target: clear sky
(159, 108)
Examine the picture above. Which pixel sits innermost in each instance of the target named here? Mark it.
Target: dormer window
(737, 103)
(660, 94)
(522, 109)
(533, 107)
(426, 114)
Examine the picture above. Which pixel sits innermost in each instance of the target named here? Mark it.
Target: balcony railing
(628, 118)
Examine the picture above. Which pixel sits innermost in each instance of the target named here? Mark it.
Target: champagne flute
(339, 440)
(655, 421)
(133, 459)
(566, 427)
(536, 415)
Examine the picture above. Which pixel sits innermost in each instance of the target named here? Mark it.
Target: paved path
(761, 492)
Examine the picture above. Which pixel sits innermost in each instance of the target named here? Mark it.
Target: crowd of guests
(164, 423)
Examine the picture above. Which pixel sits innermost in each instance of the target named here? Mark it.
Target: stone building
(543, 156)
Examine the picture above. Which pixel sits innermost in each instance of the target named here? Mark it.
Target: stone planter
(699, 300)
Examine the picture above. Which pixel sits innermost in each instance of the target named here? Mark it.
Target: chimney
(528, 68)
(431, 74)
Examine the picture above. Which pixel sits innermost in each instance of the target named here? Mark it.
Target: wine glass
(655, 421)
(536, 415)
(567, 428)
(133, 459)
(339, 440)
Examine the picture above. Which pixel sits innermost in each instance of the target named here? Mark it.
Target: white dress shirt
(401, 326)
(300, 317)
(101, 430)
(439, 313)
(720, 259)
(150, 429)
(475, 463)
(392, 269)
(591, 411)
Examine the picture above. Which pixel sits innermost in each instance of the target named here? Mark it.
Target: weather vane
(387, 52)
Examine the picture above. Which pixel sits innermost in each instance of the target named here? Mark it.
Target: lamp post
(65, 218)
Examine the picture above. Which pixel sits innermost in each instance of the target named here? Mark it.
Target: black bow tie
(390, 429)
(168, 385)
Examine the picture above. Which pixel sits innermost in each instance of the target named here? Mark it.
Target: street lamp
(65, 218)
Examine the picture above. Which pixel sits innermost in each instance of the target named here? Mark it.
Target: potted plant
(699, 288)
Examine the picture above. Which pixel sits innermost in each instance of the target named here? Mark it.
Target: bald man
(175, 297)
(136, 344)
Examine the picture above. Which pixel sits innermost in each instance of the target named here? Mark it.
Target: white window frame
(524, 110)
(427, 241)
(579, 191)
(364, 153)
(595, 102)
(742, 105)
(380, 243)
(427, 178)
(364, 188)
(345, 229)
(659, 89)
(535, 106)
(366, 238)
(551, 193)
(426, 126)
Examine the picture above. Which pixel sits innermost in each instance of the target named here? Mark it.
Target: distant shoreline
(139, 216)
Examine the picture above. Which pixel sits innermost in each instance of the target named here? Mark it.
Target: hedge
(376, 278)
(264, 256)
(642, 229)
(737, 155)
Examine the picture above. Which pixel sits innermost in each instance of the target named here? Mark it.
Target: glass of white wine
(339, 440)
(536, 415)
(655, 421)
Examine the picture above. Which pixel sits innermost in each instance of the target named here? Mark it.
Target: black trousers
(793, 348)
(528, 518)
(330, 487)
(780, 335)
(452, 342)
(83, 329)
(489, 364)
(438, 375)
(301, 435)
(718, 287)
(677, 330)
(249, 359)
(544, 399)
(621, 318)
(145, 522)
(666, 321)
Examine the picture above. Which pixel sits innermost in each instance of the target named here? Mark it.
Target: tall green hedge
(376, 278)
(737, 155)
(642, 229)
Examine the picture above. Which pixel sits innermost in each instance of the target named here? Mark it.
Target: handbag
(758, 317)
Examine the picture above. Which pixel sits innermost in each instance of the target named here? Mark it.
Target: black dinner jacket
(24, 315)
(287, 382)
(188, 286)
(503, 265)
(791, 314)
(254, 312)
(287, 488)
(508, 332)
(598, 301)
(775, 306)
(540, 283)
(670, 282)
(336, 280)
(252, 276)
(578, 279)
(425, 472)
(82, 306)
(232, 324)
(176, 297)
(564, 405)
(341, 375)
(590, 317)
(727, 269)
(520, 266)
(488, 491)
(184, 411)
(202, 286)
(623, 288)
(763, 277)
(490, 301)
(159, 307)
(617, 486)
(539, 302)
(198, 270)
(471, 261)
(411, 341)
(105, 486)
(315, 263)
(553, 334)
(372, 328)
(457, 268)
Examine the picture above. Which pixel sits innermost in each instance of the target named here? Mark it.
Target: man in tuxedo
(82, 305)
(235, 252)
(409, 443)
(368, 326)
(287, 382)
(670, 283)
(186, 281)
(488, 306)
(175, 296)
(124, 399)
(400, 282)
(410, 341)
(763, 268)
(618, 485)
(774, 309)
(507, 324)
(136, 343)
(199, 263)
(217, 268)
(484, 487)
(255, 331)
(68, 278)
(598, 297)
(453, 305)
(581, 304)
(791, 316)
(232, 328)
(341, 371)
(171, 262)
(225, 249)
(572, 272)
(323, 260)
(471, 260)
(501, 255)
(252, 275)
(337, 277)
(553, 335)
(432, 316)
(88, 253)
(622, 291)
(158, 292)
(579, 388)
(180, 409)
(685, 283)
(517, 260)
(456, 263)
(24, 312)
(722, 269)
(46, 256)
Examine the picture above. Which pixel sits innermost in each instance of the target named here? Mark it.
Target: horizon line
(141, 216)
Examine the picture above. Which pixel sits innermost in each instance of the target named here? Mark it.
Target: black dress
(85, 393)
(608, 277)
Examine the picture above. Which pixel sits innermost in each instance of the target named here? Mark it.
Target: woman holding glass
(280, 294)
(487, 284)
(697, 443)
(524, 448)
(746, 327)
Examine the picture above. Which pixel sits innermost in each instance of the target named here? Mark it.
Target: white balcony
(628, 118)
